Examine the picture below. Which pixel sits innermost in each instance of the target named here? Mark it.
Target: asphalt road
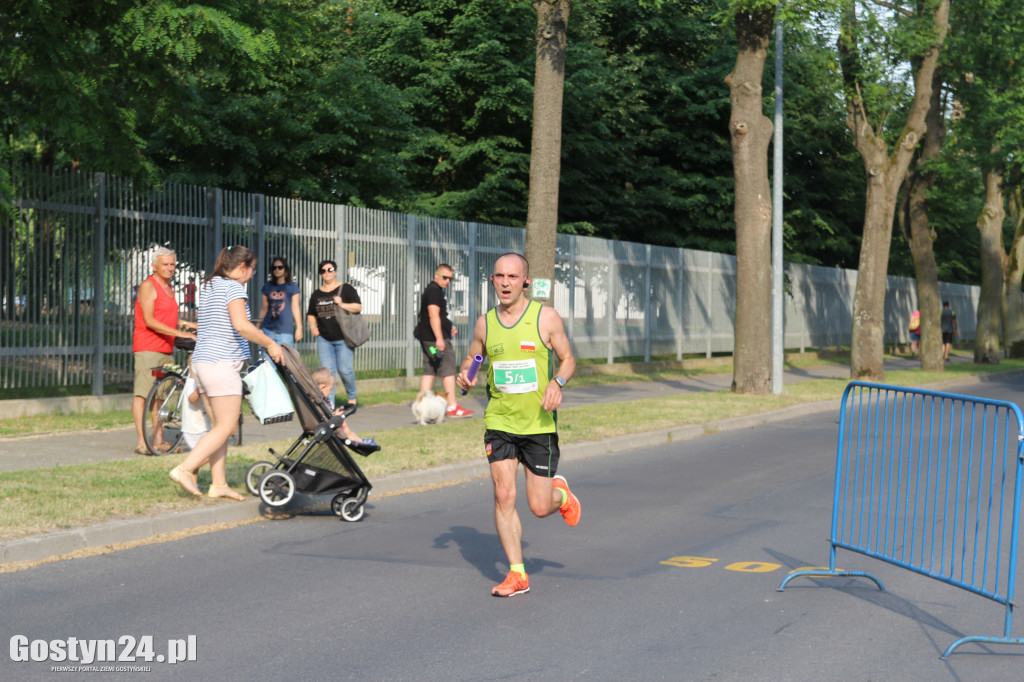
(671, 575)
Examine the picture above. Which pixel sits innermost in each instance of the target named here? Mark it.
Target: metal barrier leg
(1005, 639)
(980, 638)
(830, 574)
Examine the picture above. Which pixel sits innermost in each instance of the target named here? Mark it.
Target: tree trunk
(922, 238)
(546, 150)
(990, 229)
(885, 173)
(1013, 301)
(868, 341)
(751, 133)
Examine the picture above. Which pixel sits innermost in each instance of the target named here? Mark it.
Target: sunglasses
(327, 269)
(446, 277)
(277, 267)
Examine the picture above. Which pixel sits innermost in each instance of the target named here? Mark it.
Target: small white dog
(429, 408)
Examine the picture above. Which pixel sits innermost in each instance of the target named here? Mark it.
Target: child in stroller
(324, 378)
(319, 462)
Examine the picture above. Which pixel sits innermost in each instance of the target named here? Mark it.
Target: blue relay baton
(473, 369)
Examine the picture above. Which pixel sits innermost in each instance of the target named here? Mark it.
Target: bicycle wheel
(161, 417)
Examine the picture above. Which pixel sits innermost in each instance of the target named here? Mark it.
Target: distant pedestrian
(435, 331)
(333, 352)
(190, 297)
(949, 329)
(915, 332)
(156, 325)
(280, 315)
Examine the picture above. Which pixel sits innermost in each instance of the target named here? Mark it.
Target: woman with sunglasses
(334, 354)
(280, 315)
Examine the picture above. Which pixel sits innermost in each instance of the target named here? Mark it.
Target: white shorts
(219, 378)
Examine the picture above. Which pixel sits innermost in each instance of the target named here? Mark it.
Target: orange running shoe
(571, 507)
(512, 585)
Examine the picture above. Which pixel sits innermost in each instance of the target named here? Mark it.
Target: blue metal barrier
(930, 482)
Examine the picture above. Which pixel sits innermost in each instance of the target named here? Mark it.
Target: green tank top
(519, 371)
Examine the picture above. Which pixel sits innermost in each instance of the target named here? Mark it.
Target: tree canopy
(424, 106)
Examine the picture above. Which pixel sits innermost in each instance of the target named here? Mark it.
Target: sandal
(224, 491)
(141, 450)
(185, 479)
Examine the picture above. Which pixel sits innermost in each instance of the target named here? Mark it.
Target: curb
(114, 532)
(52, 545)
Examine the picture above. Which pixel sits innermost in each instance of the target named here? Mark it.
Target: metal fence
(930, 482)
(76, 245)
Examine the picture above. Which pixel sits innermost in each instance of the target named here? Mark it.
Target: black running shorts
(538, 452)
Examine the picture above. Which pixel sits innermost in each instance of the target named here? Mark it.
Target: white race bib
(515, 376)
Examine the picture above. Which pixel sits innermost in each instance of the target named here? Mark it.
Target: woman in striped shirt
(221, 350)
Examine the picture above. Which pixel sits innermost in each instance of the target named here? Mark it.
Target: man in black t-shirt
(434, 331)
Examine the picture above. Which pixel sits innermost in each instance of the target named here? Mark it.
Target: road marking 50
(739, 566)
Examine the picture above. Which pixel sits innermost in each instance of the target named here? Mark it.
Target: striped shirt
(216, 339)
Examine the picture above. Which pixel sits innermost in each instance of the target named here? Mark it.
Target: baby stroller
(319, 461)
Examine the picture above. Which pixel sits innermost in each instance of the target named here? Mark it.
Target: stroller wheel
(347, 508)
(254, 474)
(277, 488)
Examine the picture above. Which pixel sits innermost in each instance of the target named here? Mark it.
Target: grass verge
(38, 501)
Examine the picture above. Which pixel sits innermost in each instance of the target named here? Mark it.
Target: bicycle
(166, 400)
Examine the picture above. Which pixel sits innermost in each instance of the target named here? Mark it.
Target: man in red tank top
(156, 325)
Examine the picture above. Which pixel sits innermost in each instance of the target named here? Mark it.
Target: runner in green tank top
(519, 337)
(520, 365)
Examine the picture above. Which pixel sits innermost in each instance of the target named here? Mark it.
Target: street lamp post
(778, 336)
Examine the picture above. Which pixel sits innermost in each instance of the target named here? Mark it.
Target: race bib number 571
(516, 376)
